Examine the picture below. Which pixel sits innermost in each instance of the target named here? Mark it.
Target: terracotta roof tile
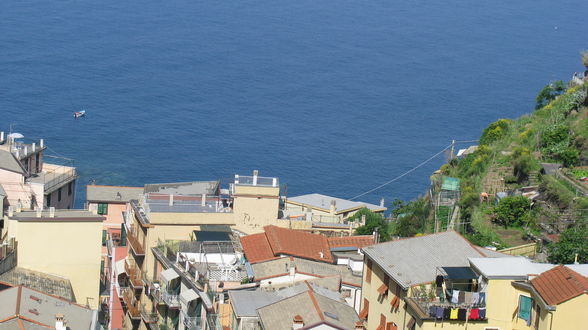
(560, 284)
(357, 242)
(298, 243)
(257, 248)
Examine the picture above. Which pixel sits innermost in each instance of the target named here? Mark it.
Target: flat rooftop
(60, 216)
(160, 203)
(113, 194)
(51, 284)
(192, 188)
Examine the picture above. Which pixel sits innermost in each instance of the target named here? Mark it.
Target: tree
(513, 211)
(585, 59)
(410, 217)
(373, 221)
(549, 93)
(572, 241)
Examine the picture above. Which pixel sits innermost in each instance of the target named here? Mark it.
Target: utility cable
(404, 174)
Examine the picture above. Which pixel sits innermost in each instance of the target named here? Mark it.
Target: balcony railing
(191, 322)
(136, 243)
(132, 304)
(134, 274)
(149, 316)
(163, 297)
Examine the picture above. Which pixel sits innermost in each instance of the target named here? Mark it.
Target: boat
(79, 114)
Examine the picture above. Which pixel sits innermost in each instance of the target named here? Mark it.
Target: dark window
(70, 188)
(123, 235)
(104, 234)
(59, 195)
(368, 274)
(49, 200)
(37, 158)
(102, 208)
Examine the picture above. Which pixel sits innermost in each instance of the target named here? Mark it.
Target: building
(556, 299)
(25, 308)
(28, 181)
(60, 242)
(325, 209)
(401, 269)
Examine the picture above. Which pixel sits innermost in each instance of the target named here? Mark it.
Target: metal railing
(132, 304)
(256, 181)
(135, 242)
(134, 274)
(149, 316)
(57, 179)
(191, 322)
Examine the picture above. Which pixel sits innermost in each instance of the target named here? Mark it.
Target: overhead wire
(412, 169)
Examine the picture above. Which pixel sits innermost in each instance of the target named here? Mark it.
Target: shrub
(495, 131)
(569, 156)
(513, 211)
(571, 242)
(554, 134)
(549, 93)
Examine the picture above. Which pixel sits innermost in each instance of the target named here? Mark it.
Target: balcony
(191, 322)
(132, 304)
(149, 316)
(136, 243)
(54, 176)
(170, 299)
(134, 274)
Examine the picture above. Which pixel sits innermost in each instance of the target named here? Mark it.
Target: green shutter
(525, 305)
(102, 208)
(123, 235)
(104, 237)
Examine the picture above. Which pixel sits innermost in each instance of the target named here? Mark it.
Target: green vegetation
(549, 93)
(572, 242)
(411, 218)
(579, 173)
(373, 222)
(513, 211)
(585, 59)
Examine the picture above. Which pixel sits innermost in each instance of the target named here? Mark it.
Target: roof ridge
(316, 305)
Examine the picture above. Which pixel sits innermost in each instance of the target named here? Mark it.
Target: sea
(332, 96)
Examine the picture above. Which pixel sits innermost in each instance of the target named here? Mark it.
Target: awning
(395, 302)
(168, 275)
(119, 267)
(459, 273)
(364, 312)
(188, 296)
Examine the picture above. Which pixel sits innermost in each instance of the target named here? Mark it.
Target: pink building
(111, 202)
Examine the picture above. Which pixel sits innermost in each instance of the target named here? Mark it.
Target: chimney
(298, 322)
(171, 199)
(52, 212)
(1, 136)
(255, 174)
(333, 208)
(362, 220)
(359, 325)
(382, 202)
(60, 323)
(34, 146)
(321, 254)
(10, 211)
(42, 143)
(38, 210)
(203, 201)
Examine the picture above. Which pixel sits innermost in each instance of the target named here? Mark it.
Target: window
(345, 293)
(49, 200)
(382, 325)
(59, 195)
(391, 326)
(368, 271)
(104, 237)
(123, 235)
(70, 188)
(102, 208)
(37, 158)
(525, 306)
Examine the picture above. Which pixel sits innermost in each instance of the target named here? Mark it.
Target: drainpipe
(112, 286)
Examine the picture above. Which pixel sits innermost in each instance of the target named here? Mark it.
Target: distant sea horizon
(332, 97)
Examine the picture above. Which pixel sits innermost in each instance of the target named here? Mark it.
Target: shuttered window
(102, 208)
(123, 235)
(525, 306)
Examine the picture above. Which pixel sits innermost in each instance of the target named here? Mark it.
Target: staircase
(533, 178)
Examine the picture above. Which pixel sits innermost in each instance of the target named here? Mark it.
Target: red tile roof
(257, 248)
(298, 243)
(277, 241)
(357, 242)
(560, 284)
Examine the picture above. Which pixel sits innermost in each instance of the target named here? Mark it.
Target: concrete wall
(10, 177)
(255, 207)
(68, 249)
(66, 201)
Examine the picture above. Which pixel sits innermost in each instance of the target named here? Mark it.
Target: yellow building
(60, 242)
(441, 281)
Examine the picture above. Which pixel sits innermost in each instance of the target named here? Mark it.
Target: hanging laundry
(482, 314)
(461, 297)
(446, 313)
(439, 281)
(468, 297)
(461, 314)
(475, 297)
(474, 314)
(455, 296)
(482, 300)
(439, 313)
(453, 315)
(432, 311)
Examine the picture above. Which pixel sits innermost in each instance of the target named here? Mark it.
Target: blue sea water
(332, 96)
